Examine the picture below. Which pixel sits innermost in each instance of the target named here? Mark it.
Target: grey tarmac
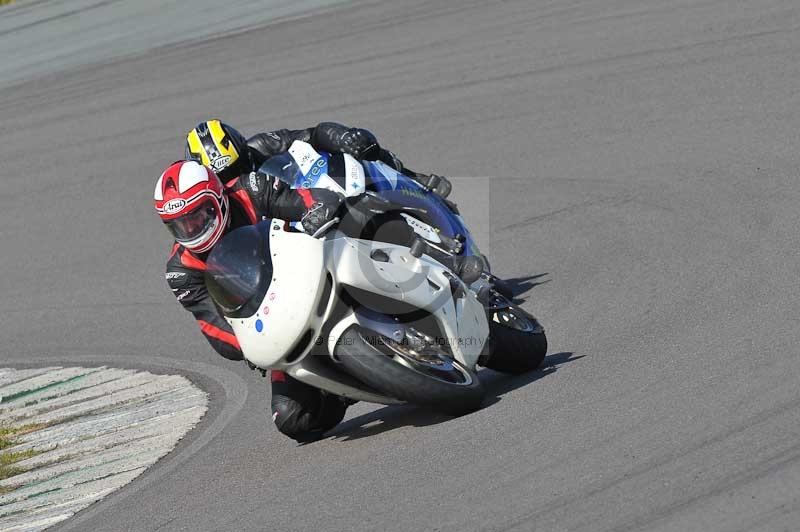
(642, 153)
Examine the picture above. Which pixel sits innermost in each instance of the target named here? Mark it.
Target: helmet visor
(193, 227)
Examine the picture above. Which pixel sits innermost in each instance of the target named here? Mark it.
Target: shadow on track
(497, 384)
(396, 416)
(519, 286)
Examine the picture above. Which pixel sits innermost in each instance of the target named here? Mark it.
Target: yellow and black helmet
(220, 147)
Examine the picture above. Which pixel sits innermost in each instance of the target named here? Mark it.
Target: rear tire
(518, 347)
(374, 359)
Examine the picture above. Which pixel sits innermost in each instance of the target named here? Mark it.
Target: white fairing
(293, 304)
(289, 306)
(354, 176)
(422, 283)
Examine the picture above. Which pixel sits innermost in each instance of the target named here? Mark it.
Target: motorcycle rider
(222, 148)
(197, 209)
(244, 196)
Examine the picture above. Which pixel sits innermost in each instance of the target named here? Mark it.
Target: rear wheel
(518, 341)
(411, 371)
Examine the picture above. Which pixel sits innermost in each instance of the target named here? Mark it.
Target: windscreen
(239, 270)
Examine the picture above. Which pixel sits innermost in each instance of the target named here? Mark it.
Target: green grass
(8, 459)
(8, 472)
(7, 432)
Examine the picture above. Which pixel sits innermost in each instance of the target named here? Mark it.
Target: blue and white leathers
(304, 167)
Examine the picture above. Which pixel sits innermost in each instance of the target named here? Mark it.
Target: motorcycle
(395, 315)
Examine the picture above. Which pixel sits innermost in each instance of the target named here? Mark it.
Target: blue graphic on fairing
(379, 176)
(388, 183)
(259, 325)
(317, 170)
(399, 188)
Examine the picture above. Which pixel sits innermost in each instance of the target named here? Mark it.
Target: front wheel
(419, 375)
(518, 341)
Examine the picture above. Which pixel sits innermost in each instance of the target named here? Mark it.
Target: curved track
(643, 153)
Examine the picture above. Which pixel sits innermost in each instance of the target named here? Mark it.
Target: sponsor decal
(175, 275)
(313, 177)
(413, 193)
(413, 222)
(254, 182)
(221, 162)
(422, 229)
(174, 205)
(265, 310)
(259, 325)
(318, 167)
(272, 296)
(305, 156)
(183, 295)
(303, 159)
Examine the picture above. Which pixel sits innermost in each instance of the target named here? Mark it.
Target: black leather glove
(361, 144)
(322, 215)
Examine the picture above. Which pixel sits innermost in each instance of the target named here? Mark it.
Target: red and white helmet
(190, 200)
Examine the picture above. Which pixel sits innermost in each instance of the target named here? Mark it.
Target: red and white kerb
(190, 200)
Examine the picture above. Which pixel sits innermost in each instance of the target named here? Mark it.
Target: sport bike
(394, 304)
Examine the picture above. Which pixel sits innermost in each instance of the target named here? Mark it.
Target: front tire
(426, 377)
(518, 341)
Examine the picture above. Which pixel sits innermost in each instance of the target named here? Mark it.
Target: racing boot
(302, 412)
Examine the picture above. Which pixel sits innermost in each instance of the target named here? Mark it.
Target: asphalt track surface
(643, 153)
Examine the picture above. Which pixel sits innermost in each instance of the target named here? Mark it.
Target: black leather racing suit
(334, 137)
(325, 136)
(299, 411)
